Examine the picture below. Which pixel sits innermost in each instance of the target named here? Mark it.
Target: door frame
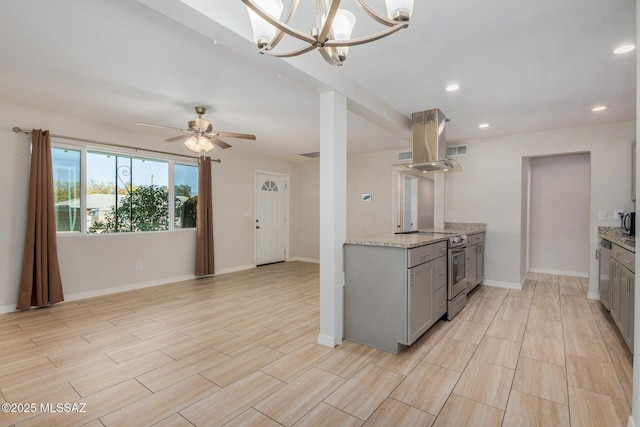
(287, 222)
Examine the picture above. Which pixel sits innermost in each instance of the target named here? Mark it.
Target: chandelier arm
(331, 14)
(280, 34)
(278, 24)
(367, 39)
(329, 56)
(291, 53)
(375, 15)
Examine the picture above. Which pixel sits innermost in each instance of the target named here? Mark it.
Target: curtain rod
(16, 129)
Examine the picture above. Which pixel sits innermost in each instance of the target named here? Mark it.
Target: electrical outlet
(602, 215)
(138, 265)
(617, 214)
(450, 215)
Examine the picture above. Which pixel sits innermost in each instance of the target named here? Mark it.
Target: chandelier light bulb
(264, 32)
(342, 26)
(399, 10)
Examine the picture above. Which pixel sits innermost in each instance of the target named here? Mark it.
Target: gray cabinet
(622, 271)
(393, 295)
(420, 311)
(475, 261)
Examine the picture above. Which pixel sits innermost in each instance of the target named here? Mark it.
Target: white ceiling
(521, 65)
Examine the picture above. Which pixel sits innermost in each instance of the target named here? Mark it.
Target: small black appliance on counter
(629, 223)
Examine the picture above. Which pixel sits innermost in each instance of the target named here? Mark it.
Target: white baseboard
(630, 422)
(234, 269)
(559, 272)
(302, 259)
(328, 341)
(107, 291)
(593, 295)
(8, 308)
(506, 285)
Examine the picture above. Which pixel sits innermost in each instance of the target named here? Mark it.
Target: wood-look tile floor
(240, 350)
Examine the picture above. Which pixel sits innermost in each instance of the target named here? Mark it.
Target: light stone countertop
(614, 235)
(421, 238)
(466, 227)
(406, 241)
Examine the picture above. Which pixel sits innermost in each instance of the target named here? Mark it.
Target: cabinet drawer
(439, 302)
(426, 253)
(625, 257)
(474, 239)
(440, 273)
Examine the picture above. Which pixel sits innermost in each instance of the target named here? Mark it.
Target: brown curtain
(40, 284)
(204, 221)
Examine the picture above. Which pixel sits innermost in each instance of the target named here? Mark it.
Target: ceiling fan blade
(233, 135)
(220, 143)
(161, 126)
(178, 138)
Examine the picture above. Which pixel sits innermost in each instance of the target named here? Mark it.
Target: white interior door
(270, 218)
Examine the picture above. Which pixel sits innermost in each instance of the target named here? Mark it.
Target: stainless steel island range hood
(429, 144)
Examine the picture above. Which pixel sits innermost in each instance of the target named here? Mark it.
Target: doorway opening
(556, 199)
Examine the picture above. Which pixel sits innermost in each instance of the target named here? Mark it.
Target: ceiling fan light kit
(199, 144)
(332, 33)
(200, 137)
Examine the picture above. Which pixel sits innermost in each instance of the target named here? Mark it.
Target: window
(66, 188)
(128, 193)
(185, 190)
(116, 193)
(269, 186)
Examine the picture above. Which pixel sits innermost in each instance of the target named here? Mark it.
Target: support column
(333, 215)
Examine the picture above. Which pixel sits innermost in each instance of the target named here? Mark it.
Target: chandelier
(332, 32)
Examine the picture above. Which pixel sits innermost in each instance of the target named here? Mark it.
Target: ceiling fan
(199, 135)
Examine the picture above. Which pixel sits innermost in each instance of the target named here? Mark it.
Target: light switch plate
(602, 215)
(450, 215)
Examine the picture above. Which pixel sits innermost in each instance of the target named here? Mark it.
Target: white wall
(559, 239)
(92, 265)
(370, 173)
(489, 189)
(307, 238)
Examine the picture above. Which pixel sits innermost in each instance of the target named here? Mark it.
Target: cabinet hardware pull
(443, 249)
(442, 303)
(425, 255)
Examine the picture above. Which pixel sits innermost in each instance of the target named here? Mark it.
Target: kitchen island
(395, 288)
(396, 284)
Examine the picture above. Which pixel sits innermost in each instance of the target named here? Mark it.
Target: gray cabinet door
(472, 267)
(480, 262)
(623, 314)
(419, 292)
(615, 291)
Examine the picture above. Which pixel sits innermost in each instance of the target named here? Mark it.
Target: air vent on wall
(457, 150)
(405, 156)
(313, 155)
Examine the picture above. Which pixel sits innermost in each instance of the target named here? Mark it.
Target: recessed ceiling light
(624, 48)
(483, 125)
(452, 87)
(599, 108)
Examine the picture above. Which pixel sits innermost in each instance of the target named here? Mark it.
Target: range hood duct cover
(429, 143)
